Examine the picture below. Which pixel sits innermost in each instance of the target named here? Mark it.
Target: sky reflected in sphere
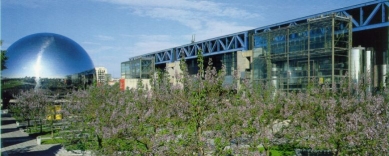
(45, 55)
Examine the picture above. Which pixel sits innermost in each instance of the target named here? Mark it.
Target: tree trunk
(199, 132)
(28, 125)
(200, 148)
(100, 142)
(337, 149)
(52, 130)
(41, 125)
(267, 151)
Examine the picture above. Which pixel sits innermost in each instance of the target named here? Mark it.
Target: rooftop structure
(101, 73)
(292, 52)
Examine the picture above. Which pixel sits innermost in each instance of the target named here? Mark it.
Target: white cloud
(150, 43)
(155, 37)
(193, 14)
(149, 46)
(184, 4)
(206, 19)
(216, 29)
(27, 4)
(99, 49)
(209, 7)
(159, 37)
(90, 43)
(145, 44)
(105, 38)
(186, 17)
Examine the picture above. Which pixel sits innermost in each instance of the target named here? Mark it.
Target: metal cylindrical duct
(356, 63)
(380, 76)
(368, 62)
(376, 76)
(383, 75)
(274, 76)
(369, 68)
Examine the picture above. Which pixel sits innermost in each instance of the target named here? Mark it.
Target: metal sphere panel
(46, 55)
(46, 61)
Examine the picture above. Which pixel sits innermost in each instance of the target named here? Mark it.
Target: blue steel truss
(224, 44)
(229, 43)
(365, 16)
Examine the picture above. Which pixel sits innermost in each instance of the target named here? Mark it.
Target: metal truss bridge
(365, 16)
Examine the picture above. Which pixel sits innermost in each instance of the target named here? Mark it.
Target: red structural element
(122, 84)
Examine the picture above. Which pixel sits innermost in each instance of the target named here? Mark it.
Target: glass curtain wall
(229, 61)
(140, 68)
(315, 52)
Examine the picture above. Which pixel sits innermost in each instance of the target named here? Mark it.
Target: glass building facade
(139, 68)
(292, 57)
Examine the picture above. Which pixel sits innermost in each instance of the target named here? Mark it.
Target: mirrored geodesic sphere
(46, 61)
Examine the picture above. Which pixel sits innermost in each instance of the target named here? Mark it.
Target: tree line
(201, 115)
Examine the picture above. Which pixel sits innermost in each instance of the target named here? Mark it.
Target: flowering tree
(200, 115)
(31, 104)
(340, 121)
(191, 104)
(98, 114)
(260, 108)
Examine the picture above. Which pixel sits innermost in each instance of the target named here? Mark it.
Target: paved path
(15, 142)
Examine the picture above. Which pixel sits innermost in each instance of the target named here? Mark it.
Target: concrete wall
(132, 83)
(244, 59)
(174, 70)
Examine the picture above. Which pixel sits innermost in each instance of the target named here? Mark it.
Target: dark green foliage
(199, 116)
(4, 58)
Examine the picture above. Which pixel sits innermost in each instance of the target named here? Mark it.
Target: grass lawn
(35, 131)
(46, 133)
(281, 153)
(12, 84)
(77, 147)
(53, 141)
(274, 152)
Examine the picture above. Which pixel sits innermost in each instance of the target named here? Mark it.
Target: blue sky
(111, 31)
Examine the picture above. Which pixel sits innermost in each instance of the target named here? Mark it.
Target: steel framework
(365, 16)
(291, 57)
(224, 44)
